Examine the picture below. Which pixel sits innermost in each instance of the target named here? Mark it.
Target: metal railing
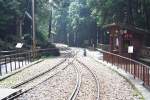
(137, 69)
(12, 62)
(9, 63)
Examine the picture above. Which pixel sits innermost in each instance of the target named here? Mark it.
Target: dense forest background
(74, 24)
(16, 22)
(72, 21)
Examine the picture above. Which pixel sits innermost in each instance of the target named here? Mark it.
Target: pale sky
(50, 0)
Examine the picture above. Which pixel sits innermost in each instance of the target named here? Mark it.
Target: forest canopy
(16, 23)
(72, 21)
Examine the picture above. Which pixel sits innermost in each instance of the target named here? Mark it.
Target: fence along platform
(135, 68)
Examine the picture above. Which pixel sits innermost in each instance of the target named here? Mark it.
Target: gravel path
(30, 72)
(59, 87)
(112, 86)
(88, 89)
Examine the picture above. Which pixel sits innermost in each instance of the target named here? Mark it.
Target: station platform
(8, 93)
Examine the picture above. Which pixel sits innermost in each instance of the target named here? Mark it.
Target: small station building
(124, 37)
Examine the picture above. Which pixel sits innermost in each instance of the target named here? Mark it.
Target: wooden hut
(121, 37)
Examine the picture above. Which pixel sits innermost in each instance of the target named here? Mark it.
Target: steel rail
(78, 84)
(95, 77)
(37, 76)
(25, 91)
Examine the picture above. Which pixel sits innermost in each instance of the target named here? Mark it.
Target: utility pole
(33, 29)
(68, 38)
(97, 35)
(50, 35)
(20, 29)
(74, 39)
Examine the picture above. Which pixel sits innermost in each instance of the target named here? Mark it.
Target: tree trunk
(50, 23)
(130, 18)
(20, 28)
(17, 28)
(146, 14)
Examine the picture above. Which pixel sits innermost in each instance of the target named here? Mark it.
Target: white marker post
(19, 45)
(130, 51)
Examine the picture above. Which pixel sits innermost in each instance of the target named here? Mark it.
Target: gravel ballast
(61, 85)
(88, 88)
(58, 87)
(112, 85)
(29, 72)
(44, 77)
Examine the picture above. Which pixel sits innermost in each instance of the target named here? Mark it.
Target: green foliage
(78, 18)
(130, 12)
(75, 20)
(133, 12)
(42, 19)
(12, 11)
(9, 13)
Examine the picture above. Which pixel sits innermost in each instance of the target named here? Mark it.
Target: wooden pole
(33, 28)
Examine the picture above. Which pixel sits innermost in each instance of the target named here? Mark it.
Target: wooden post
(33, 29)
(0, 68)
(20, 28)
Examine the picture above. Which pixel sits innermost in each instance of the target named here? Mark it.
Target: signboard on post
(130, 49)
(19, 45)
(117, 42)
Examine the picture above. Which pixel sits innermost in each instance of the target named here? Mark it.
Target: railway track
(43, 73)
(77, 87)
(76, 90)
(38, 76)
(78, 83)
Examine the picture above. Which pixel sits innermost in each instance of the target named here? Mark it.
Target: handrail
(125, 58)
(4, 56)
(135, 68)
(37, 50)
(11, 62)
